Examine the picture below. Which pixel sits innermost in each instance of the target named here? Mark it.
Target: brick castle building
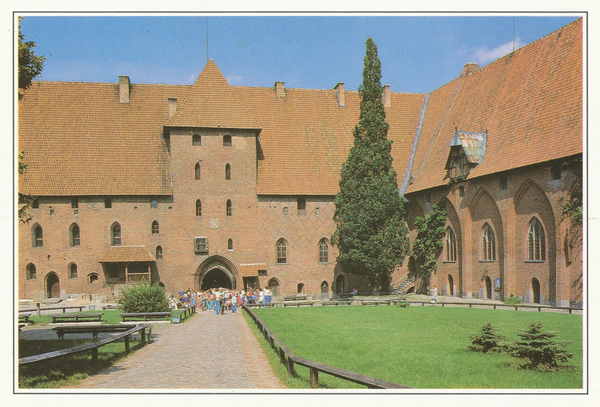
(216, 185)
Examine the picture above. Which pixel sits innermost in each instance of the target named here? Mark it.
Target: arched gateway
(214, 272)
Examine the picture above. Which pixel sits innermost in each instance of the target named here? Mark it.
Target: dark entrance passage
(52, 286)
(535, 285)
(488, 288)
(215, 278)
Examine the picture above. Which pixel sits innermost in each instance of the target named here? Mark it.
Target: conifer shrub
(512, 300)
(143, 297)
(539, 349)
(487, 340)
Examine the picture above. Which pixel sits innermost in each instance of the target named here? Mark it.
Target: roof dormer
(466, 152)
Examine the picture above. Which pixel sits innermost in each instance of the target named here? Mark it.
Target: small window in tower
(227, 140)
(196, 140)
(108, 203)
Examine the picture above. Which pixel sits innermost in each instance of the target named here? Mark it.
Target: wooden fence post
(314, 378)
(143, 336)
(290, 366)
(127, 344)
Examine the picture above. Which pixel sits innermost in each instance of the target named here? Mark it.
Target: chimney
(280, 89)
(124, 89)
(339, 92)
(172, 106)
(387, 96)
(469, 68)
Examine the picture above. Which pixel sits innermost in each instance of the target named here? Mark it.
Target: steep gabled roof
(530, 102)
(212, 103)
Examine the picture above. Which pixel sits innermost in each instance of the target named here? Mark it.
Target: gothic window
(228, 210)
(197, 171)
(115, 232)
(30, 272)
(37, 236)
(155, 228)
(74, 235)
(323, 251)
(72, 271)
(488, 244)
(230, 244)
(281, 252)
(228, 172)
(198, 208)
(450, 245)
(537, 241)
(159, 252)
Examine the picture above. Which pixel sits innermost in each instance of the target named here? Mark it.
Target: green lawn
(421, 347)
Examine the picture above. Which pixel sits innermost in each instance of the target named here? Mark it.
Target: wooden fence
(289, 360)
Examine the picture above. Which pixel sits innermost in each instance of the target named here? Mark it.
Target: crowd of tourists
(221, 299)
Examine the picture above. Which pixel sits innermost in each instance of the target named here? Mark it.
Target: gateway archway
(215, 272)
(52, 286)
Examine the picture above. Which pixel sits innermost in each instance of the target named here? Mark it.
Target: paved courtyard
(205, 352)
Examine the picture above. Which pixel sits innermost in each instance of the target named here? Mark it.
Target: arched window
(93, 278)
(273, 286)
(450, 243)
(115, 232)
(230, 244)
(228, 172)
(537, 241)
(323, 251)
(281, 252)
(159, 252)
(155, 228)
(488, 244)
(30, 272)
(197, 171)
(198, 208)
(72, 270)
(228, 210)
(74, 235)
(196, 140)
(37, 236)
(227, 140)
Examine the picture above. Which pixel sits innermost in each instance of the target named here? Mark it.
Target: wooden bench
(109, 307)
(144, 315)
(76, 317)
(377, 302)
(24, 317)
(93, 329)
(297, 303)
(297, 297)
(337, 302)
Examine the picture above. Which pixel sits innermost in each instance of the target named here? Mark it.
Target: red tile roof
(121, 254)
(530, 103)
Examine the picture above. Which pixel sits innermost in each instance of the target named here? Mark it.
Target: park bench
(93, 317)
(377, 302)
(144, 315)
(297, 303)
(110, 307)
(337, 302)
(296, 297)
(24, 317)
(93, 329)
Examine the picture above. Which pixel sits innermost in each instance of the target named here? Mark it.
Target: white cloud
(484, 55)
(232, 80)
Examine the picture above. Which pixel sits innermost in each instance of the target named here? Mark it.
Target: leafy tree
(429, 243)
(30, 66)
(488, 340)
(539, 348)
(143, 297)
(371, 232)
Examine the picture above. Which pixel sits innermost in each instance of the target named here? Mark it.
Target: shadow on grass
(66, 370)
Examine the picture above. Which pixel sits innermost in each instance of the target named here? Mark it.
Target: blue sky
(418, 53)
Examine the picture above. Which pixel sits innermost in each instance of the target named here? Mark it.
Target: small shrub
(488, 340)
(512, 300)
(540, 350)
(143, 298)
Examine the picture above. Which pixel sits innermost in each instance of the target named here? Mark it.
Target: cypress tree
(371, 233)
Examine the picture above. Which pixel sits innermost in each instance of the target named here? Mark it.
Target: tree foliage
(539, 348)
(143, 297)
(371, 233)
(429, 243)
(487, 340)
(573, 207)
(30, 65)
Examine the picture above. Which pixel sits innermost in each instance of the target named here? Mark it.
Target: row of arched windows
(536, 243)
(228, 208)
(282, 251)
(198, 171)
(31, 273)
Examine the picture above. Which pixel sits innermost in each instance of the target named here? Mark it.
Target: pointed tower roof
(212, 103)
